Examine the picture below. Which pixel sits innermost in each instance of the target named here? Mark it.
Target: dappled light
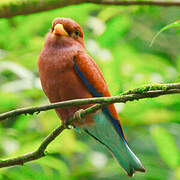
(132, 55)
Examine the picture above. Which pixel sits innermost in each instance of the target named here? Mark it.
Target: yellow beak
(59, 30)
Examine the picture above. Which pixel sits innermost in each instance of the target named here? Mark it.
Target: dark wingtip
(132, 171)
(141, 170)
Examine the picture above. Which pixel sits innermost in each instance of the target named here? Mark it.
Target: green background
(118, 39)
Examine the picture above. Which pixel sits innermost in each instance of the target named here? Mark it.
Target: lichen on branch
(151, 87)
(148, 91)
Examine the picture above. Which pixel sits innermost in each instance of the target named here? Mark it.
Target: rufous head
(68, 28)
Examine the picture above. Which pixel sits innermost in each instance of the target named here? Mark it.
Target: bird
(67, 72)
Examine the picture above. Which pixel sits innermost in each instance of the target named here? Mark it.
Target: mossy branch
(149, 91)
(146, 91)
(23, 7)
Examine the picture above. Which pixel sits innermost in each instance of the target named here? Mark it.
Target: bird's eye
(77, 32)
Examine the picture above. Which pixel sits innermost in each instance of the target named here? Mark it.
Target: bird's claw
(77, 115)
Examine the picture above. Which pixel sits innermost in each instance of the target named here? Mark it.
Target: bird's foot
(77, 115)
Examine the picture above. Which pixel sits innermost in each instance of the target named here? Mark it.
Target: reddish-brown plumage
(59, 80)
(67, 72)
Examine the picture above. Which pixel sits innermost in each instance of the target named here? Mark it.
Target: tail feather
(104, 132)
(128, 160)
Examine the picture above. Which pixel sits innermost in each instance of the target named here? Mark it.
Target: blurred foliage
(118, 38)
(172, 25)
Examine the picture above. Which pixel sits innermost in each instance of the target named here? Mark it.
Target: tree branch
(24, 7)
(40, 152)
(148, 91)
(134, 2)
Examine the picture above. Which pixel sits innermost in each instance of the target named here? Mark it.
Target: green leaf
(172, 25)
(113, 32)
(166, 146)
(56, 164)
(8, 101)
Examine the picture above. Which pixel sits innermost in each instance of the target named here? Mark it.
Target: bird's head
(67, 29)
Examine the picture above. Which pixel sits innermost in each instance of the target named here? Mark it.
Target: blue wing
(108, 132)
(95, 93)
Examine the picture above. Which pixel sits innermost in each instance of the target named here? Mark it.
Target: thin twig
(24, 7)
(148, 91)
(40, 152)
(134, 2)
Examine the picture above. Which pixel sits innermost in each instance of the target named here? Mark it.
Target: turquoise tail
(104, 131)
